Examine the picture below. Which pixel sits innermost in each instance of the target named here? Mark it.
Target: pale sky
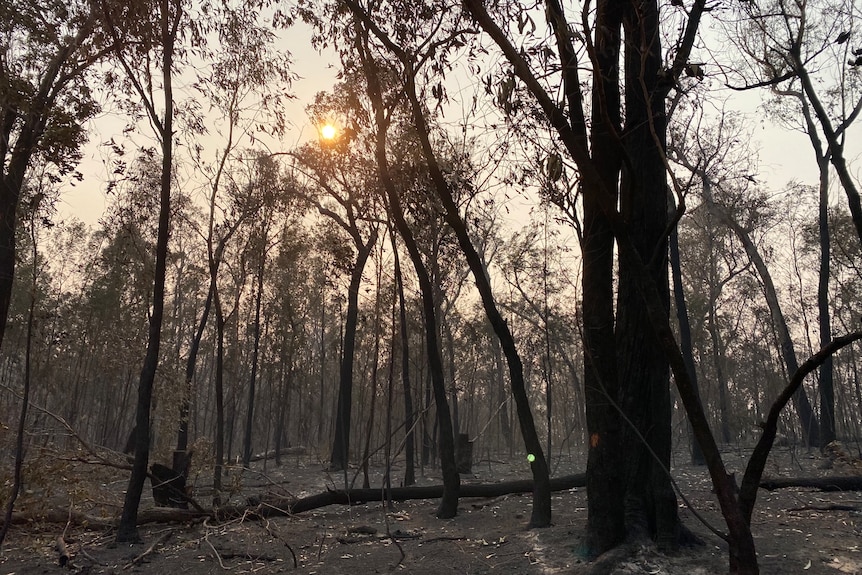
(784, 155)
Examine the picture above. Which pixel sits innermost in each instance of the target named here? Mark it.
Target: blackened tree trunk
(605, 486)
(684, 334)
(826, 385)
(341, 443)
(651, 507)
(410, 439)
(451, 480)
(128, 528)
(541, 513)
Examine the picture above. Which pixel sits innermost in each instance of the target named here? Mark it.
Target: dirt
(795, 530)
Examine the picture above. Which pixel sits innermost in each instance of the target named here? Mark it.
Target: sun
(328, 132)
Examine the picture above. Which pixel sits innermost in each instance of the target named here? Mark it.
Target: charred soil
(797, 530)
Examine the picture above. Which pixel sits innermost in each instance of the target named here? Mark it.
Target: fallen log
(280, 506)
(842, 483)
(274, 506)
(295, 450)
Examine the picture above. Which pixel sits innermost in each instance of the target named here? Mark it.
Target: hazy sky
(783, 155)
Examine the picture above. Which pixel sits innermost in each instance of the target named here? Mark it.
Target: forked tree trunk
(541, 513)
(451, 480)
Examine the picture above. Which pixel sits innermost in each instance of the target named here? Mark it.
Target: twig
(215, 551)
(394, 540)
(95, 561)
(277, 536)
(320, 547)
(149, 550)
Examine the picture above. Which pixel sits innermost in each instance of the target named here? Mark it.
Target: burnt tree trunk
(651, 506)
(826, 384)
(541, 513)
(684, 335)
(605, 502)
(451, 480)
(127, 530)
(341, 443)
(410, 439)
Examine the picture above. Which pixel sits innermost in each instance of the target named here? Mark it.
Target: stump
(169, 487)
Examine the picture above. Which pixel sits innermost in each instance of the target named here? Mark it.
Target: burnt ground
(795, 529)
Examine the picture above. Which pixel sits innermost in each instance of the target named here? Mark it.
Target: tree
(641, 260)
(246, 85)
(793, 49)
(384, 109)
(268, 182)
(157, 30)
(344, 192)
(25, 395)
(45, 102)
(805, 53)
(412, 61)
(741, 210)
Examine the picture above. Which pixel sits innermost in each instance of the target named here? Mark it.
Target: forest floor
(794, 529)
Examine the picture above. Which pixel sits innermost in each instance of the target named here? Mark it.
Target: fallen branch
(825, 508)
(149, 550)
(62, 551)
(822, 483)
